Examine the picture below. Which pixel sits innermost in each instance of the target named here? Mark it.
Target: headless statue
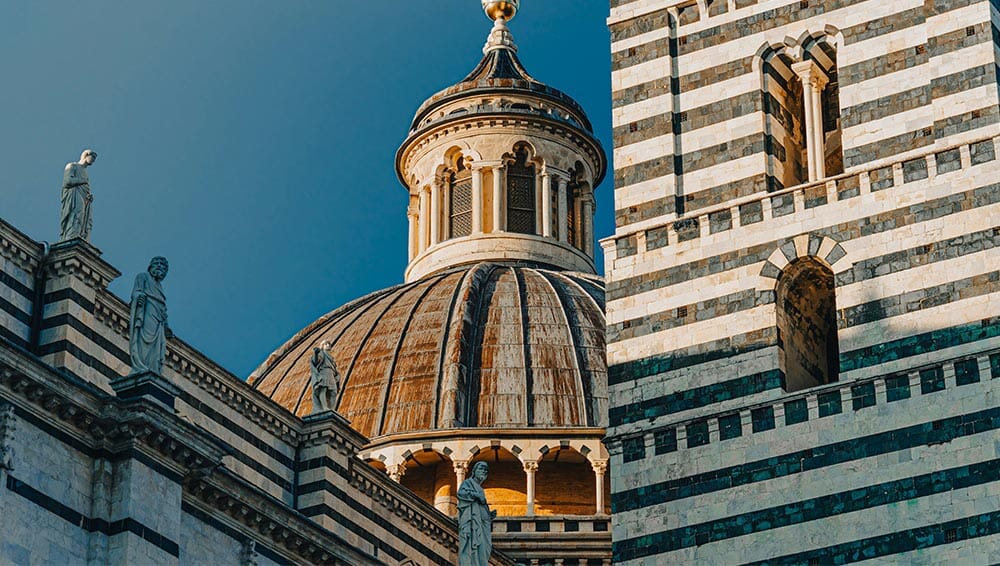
(325, 379)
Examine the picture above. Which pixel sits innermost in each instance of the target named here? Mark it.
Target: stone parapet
(738, 216)
(647, 431)
(554, 538)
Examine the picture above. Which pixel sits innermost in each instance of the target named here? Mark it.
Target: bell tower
(803, 296)
(500, 167)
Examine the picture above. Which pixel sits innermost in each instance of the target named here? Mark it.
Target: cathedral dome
(489, 345)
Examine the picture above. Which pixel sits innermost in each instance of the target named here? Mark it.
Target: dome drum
(507, 247)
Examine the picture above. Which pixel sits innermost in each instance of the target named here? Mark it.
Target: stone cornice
(107, 425)
(271, 520)
(399, 500)
(525, 122)
(80, 259)
(206, 374)
(18, 248)
(332, 429)
(487, 433)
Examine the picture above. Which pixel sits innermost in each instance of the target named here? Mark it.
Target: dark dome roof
(501, 71)
(484, 345)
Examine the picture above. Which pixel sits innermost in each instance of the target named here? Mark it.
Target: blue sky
(252, 142)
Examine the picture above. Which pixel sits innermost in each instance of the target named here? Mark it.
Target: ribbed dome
(499, 72)
(487, 345)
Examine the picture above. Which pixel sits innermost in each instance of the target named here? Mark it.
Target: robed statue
(475, 520)
(75, 221)
(325, 379)
(148, 335)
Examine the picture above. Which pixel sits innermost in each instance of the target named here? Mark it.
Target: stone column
(588, 226)
(436, 212)
(461, 468)
(396, 472)
(817, 82)
(413, 237)
(530, 467)
(477, 200)
(445, 211)
(425, 218)
(499, 222)
(813, 81)
(546, 225)
(600, 468)
(562, 218)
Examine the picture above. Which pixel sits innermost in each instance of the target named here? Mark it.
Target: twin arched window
(802, 114)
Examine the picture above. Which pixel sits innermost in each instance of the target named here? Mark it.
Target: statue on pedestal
(325, 379)
(149, 331)
(76, 221)
(475, 520)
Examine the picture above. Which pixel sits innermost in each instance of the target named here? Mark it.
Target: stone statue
(148, 335)
(475, 520)
(76, 221)
(325, 379)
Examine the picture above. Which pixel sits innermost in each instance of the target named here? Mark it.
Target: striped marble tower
(803, 291)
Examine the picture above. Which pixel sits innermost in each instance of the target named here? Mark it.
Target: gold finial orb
(496, 9)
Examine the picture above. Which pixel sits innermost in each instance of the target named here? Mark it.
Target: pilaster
(326, 455)
(74, 274)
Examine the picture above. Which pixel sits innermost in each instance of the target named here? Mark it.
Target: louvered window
(461, 204)
(521, 195)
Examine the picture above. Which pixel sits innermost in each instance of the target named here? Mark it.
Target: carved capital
(531, 466)
(396, 472)
(811, 74)
(600, 466)
(461, 467)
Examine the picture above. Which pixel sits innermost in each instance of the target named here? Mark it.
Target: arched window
(460, 204)
(521, 193)
(807, 325)
(802, 108)
(785, 124)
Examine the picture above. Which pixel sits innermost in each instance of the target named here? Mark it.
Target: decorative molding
(8, 424)
(465, 124)
(19, 249)
(332, 429)
(82, 260)
(422, 515)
